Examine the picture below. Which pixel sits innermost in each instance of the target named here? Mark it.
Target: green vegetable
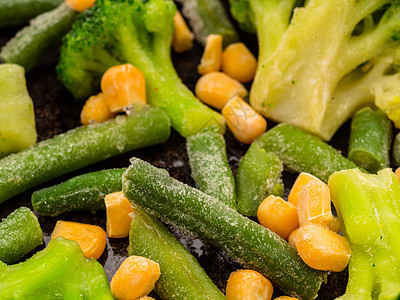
(137, 32)
(81, 147)
(369, 210)
(17, 118)
(19, 12)
(82, 193)
(258, 176)
(60, 271)
(208, 17)
(42, 34)
(20, 233)
(251, 244)
(370, 137)
(396, 150)
(209, 166)
(302, 152)
(314, 60)
(181, 275)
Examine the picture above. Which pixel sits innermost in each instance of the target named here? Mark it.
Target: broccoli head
(310, 54)
(138, 32)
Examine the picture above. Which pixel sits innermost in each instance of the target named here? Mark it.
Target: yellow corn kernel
(135, 278)
(285, 298)
(216, 88)
(123, 86)
(314, 204)
(118, 209)
(248, 285)
(80, 5)
(244, 122)
(322, 249)
(146, 298)
(183, 38)
(397, 172)
(239, 63)
(95, 110)
(91, 238)
(334, 224)
(301, 181)
(278, 216)
(212, 56)
(293, 237)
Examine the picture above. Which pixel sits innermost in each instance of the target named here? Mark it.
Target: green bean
(20, 233)
(396, 150)
(80, 147)
(209, 166)
(83, 192)
(370, 137)
(181, 275)
(258, 176)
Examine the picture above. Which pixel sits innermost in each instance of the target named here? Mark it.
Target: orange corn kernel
(80, 5)
(239, 63)
(146, 298)
(314, 204)
(183, 38)
(397, 172)
(334, 224)
(301, 181)
(293, 237)
(135, 278)
(91, 238)
(118, 209)
(285, 298)
(244, 122)
(212, 56)
(216, 88)
(248, 285)
(322, 249)
(278, 215)
(123, 86)
(95, 110)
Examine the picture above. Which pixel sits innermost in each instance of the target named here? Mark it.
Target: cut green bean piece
(20, 233)
(251, 244)
(301, 151)
(19, 12)
(81, 147)
(396, 151)
(82, 193)
(258, 176)
(209, 17)
(181, 275)
(42, 34)
(370, 137)
(209, 166)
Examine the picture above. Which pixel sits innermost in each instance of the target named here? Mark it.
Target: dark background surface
(56, 111)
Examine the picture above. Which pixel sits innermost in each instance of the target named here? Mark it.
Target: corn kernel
(216, 88)
(183, 38)
(135, 278)
(285, 298)
(244, 122)
(300, 182)
(239, 63)
(248, 285)
(80, 5)
(118, 209)
(212, 56)
(278, 215)
(95, 110)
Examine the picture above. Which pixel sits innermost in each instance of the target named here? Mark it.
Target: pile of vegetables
(319, 64)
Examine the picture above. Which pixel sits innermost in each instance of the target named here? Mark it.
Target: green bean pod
(82, 193)
(258, 176)
(181, 275)
(209, 165)
(81, 147)
(209, 17)
(20, 233)
(43, 33)
(396, 150)
(370, 137)
(19, 12)
(301, 151)
(194, 212)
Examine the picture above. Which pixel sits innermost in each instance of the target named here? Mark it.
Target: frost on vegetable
(310, 58)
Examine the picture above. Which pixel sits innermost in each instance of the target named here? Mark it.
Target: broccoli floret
(307, 51)
(368, 207)
(138, 32)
